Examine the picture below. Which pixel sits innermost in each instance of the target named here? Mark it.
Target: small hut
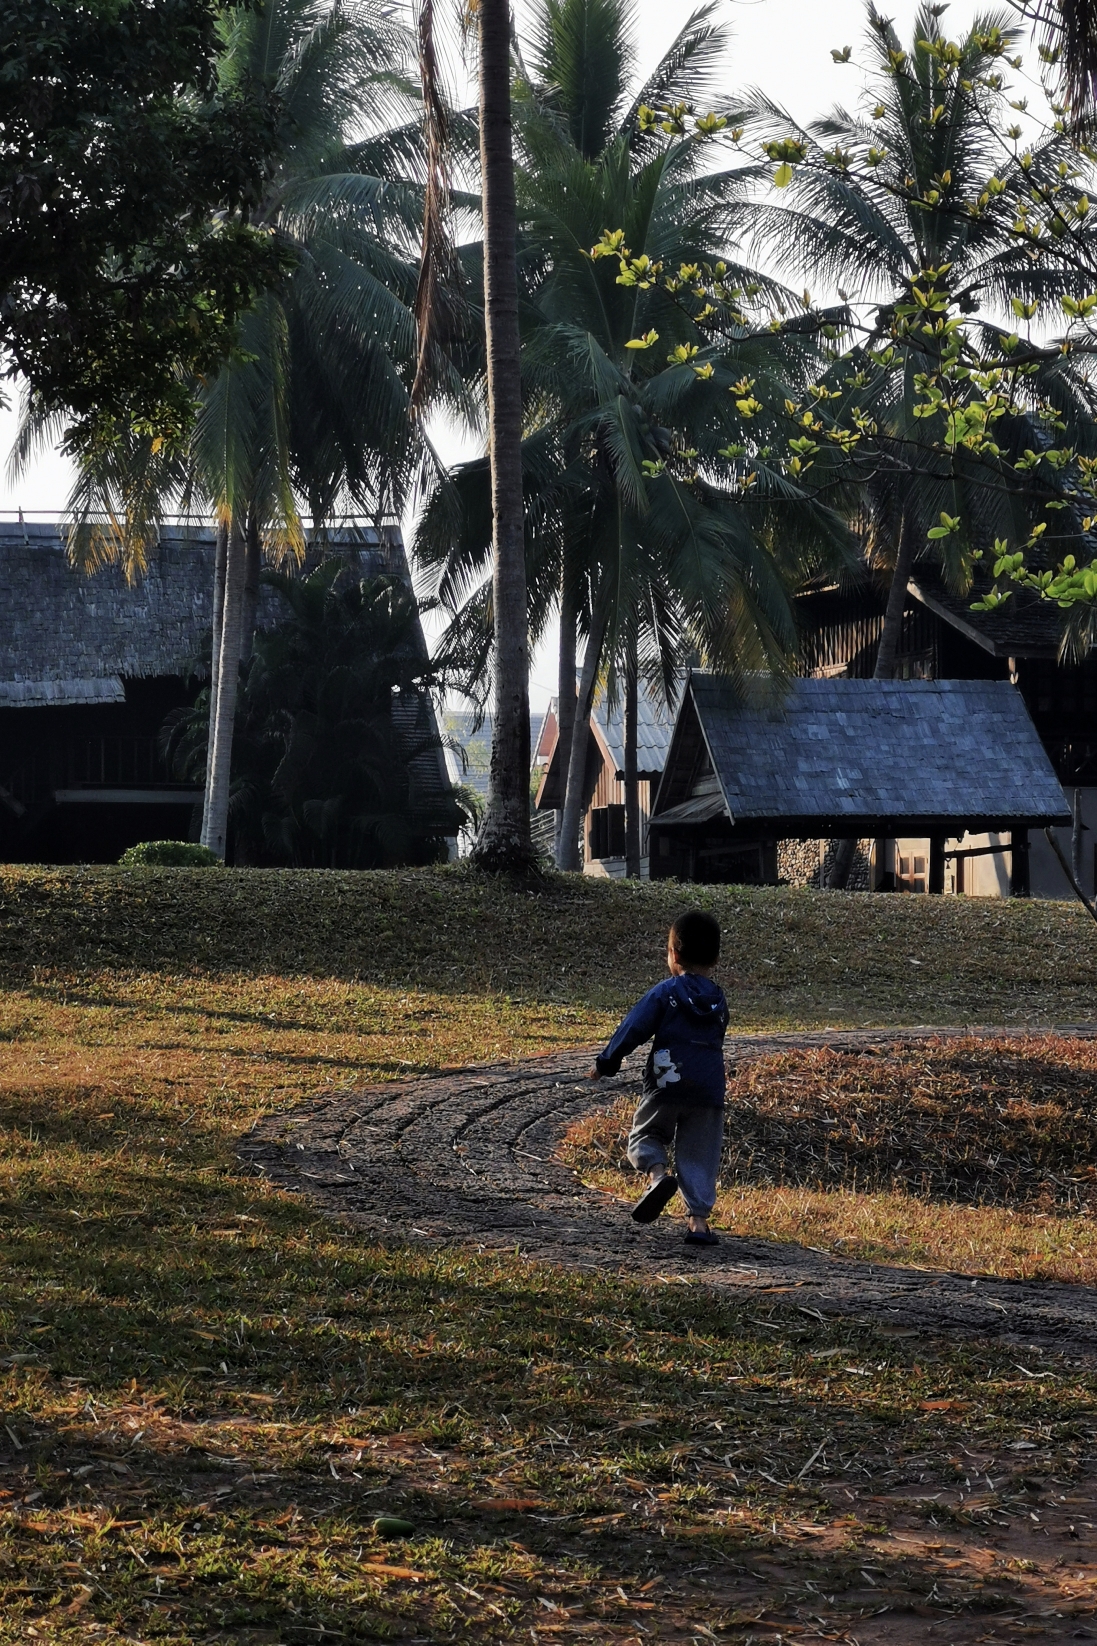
(933, 762)
(604, 786)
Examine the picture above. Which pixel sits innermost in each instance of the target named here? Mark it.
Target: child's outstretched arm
(640, 1024)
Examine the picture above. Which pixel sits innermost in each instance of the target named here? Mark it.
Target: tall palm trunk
(632, 780)
(577, 762)
(219, 760)
(504, 841)
(220, 558)
(565, 696)
(251, 586)
(888, 652)
(892, 631)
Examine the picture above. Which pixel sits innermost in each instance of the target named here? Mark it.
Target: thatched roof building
(90, 666)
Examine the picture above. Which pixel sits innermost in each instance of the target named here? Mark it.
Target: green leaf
(393, 1526)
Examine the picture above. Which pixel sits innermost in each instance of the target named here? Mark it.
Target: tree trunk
(504, 841)
(219, 760)
(890, 636)
(892, 631)
(220, 557)
(565, 700)
(632, 781)
(251, 587)
(577, 763)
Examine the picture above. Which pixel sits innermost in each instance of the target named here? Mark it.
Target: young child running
(686, 1019)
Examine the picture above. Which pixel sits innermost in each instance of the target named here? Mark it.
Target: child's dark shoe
(650, 1204)
(701, 1237)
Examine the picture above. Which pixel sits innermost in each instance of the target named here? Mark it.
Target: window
(912, 874)
(607, 831)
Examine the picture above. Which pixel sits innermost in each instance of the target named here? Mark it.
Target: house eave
(971, 631)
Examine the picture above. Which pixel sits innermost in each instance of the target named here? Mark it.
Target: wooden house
(90, 668)
(935, 760)
(944, 639)
(603, 827)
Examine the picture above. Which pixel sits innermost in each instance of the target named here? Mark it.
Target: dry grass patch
(791, 957)
(208, 1394)
(975, 1155)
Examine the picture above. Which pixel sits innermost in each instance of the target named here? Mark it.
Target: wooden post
(936, 883)
(1020, 884)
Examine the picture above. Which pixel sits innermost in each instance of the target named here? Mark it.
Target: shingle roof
(654, 726)
(868, 750)
(69, 638)
(1023, 626)
(475, 771)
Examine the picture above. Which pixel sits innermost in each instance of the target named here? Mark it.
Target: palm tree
(337, 751)
(650, 544)
(315, 406)
(927, 195)
(504, 839)
(882, 205)
(1069, 28)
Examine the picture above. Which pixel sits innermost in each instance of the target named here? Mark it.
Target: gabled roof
(67, 638)
(654, 728)
(606, 746)
(860, 755)
(1023, 626)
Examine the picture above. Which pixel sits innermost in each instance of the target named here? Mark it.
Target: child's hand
(595, 1073)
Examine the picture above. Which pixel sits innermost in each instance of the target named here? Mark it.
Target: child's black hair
(695, 938)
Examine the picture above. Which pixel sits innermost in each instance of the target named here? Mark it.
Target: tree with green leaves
(314, 406)
(925, 206)
(338, 758)
(128, 179)
(631, 526)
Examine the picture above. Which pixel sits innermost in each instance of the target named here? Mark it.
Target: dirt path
(469, 1156)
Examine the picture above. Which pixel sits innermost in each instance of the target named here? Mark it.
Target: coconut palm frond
(687, 71)
(438, 269)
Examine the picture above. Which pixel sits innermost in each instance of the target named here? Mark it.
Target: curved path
(469, 1155)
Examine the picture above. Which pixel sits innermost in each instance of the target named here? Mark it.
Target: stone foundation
(807, 863)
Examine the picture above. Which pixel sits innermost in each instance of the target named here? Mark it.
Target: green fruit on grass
(393, 1526)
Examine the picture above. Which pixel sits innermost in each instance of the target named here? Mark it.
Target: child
(686, 1018)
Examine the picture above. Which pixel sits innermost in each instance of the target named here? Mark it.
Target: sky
(781, 46)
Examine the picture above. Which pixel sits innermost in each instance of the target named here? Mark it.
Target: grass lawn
(976, 1155)
(210, 1395)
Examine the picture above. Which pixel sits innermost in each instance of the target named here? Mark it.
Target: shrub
(169, 854)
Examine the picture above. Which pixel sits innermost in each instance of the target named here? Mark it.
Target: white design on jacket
(664, 1069)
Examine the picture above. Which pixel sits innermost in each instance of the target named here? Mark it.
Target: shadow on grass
(212, 1394)
(192, 1548)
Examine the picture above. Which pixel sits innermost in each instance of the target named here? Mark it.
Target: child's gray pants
(697, 1133)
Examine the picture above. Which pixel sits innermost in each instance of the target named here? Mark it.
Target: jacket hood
(698, 996)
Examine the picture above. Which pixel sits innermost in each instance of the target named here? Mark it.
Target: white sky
(782, 46)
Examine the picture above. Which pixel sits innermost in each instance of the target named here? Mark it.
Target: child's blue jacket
(686, 1018)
